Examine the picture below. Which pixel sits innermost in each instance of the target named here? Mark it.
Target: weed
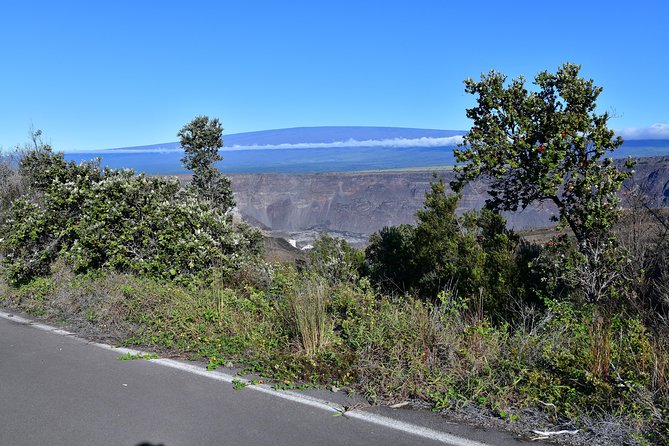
(90, 315)
(292, 386)
(238, 384)
(301, 332)
(133, 356)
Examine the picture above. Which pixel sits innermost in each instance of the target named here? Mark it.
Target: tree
(390, 258)
(447, 253)
(470, 255)
(201, 140)
(547, 145)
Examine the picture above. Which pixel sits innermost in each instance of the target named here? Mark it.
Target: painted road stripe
(217, 375)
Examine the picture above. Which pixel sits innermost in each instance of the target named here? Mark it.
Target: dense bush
(11, 183)
(103, 218)
(40, 221)
(470, 255)
(335, 259)
(391, 259)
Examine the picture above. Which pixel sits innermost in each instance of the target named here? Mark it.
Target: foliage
(390, 348)
(590, 273)
(335, 259)
(135, 356)
(644, 234)
(201, 140)
(115, 219)
(39, 223)
(447, 251)
(308, 302)
(148, 225)
(390, 258)
(546, 145)
(471, 255)
(12, 185)
(566, 344)
(553, 265)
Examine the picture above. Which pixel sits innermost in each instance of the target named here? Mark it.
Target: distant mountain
(638, 148)
(313, 135)
(322, 149)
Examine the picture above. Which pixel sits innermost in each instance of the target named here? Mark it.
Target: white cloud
(352, 143)
(655, 131)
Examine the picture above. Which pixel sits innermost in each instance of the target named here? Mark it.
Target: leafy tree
(471, 254)
(502, 265)
(447, 251)
(390, 258)
(544, 145)
(201, 140)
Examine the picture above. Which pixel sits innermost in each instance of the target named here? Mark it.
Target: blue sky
(97, 75)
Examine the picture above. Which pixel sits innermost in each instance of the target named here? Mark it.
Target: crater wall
(362, 203)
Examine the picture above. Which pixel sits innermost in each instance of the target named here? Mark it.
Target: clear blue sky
(101, 74)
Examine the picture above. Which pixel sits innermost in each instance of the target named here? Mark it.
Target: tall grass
(308, 304)
(391, 348)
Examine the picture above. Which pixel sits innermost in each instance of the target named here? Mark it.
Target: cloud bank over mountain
(391, 138)
(655, 131)
(352, 143)
(321, 138)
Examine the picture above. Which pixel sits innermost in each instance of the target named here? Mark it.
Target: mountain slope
(322, 149)
(312, 135)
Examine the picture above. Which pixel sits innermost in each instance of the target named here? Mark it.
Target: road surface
(57, 389)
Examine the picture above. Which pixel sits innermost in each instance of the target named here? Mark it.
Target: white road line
(449, 439)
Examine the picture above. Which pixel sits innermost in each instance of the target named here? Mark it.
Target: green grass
(238, 384)
(296, 333)
(134, 356)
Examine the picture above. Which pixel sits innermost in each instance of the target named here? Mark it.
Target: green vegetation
(132, 357)
(201, 140)
(466, 255)
(455, 310)
(238, 384)
(111, 219)
(547, 145)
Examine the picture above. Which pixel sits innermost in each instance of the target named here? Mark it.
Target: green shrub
(117, 220)
(561, 363)
(471, 255)
(335, 259)
(12, 184)
(391, 259)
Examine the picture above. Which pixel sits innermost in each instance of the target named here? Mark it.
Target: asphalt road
(61, 390)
